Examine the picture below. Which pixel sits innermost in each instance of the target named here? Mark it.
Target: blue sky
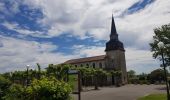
(53, 31)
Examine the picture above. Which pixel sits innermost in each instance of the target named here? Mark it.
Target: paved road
(127, 92)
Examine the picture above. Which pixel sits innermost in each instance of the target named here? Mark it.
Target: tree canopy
(131, 73)
(161, 34)
(156, 75)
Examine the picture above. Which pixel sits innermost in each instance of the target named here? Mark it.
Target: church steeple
(114, 43)
(113, 34)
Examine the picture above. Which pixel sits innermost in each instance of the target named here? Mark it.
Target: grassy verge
(73, 81)
(154, 97)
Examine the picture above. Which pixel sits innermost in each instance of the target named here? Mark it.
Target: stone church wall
(117, 58)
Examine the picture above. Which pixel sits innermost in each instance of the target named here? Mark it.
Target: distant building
(113, 60)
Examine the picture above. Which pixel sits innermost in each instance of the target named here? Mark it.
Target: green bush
(134, 80)
(144, 82)
(4, 85)
(16, 92)
(43, 89)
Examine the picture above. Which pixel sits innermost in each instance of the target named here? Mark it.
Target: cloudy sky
(53, 31)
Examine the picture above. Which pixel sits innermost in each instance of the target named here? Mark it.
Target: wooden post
(79, 85)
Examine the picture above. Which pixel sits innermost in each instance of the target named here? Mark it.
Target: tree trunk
(96, 83)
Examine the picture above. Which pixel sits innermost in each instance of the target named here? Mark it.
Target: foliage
(156, 75)
(117, 74)
(143, 76)
(98, 74)
(59, 71)
(161, 34)
(43, 89)
(16, 92)
(49, 89)
(131, 74)
(51, 84)
(7, 75)
(134, 80)
(39, 71)
(154, 97)
(92, 75)
(73, 81)
(4, 85)
(23, 77)
(137, 79)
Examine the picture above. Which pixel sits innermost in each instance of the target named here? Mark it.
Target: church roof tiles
(87, 59)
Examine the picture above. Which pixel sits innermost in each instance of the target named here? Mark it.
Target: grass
(154, 97)
(73, 81)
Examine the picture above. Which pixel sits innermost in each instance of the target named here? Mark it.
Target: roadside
(127, 92)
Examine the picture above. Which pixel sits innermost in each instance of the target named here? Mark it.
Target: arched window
(93, 65)
(100, 65)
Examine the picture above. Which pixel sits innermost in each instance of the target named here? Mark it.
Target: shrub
(43, 89)
(144, 82)
(134, 81)
(49, 89)
(4, 85)
(15, 92)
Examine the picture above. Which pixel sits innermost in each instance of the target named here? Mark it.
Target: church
(114, 59)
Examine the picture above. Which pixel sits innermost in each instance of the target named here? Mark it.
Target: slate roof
(114, 43)
(87, 59)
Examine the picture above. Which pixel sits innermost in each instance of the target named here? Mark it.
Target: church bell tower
(115, 54)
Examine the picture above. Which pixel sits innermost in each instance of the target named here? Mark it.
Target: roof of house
(87, 59)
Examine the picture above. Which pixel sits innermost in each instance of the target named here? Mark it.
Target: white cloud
(139, 26)
(16, 27)
(16, 54)
(93, 18)
(86, 16)
(140, 60)
(88, 51)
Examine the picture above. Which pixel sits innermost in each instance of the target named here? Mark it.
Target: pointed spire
(113, 34)
(113, 27)
(114, 43)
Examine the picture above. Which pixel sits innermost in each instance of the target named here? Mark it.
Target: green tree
(7, 75)
(117, 74)
(131, 74)
(19, 77)
(59, 71)
(4, 85)
(161, 34)
(156, 75)
(143, 76)
(96, 74)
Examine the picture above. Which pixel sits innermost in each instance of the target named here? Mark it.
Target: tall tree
(131, 74)
(161, 34)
